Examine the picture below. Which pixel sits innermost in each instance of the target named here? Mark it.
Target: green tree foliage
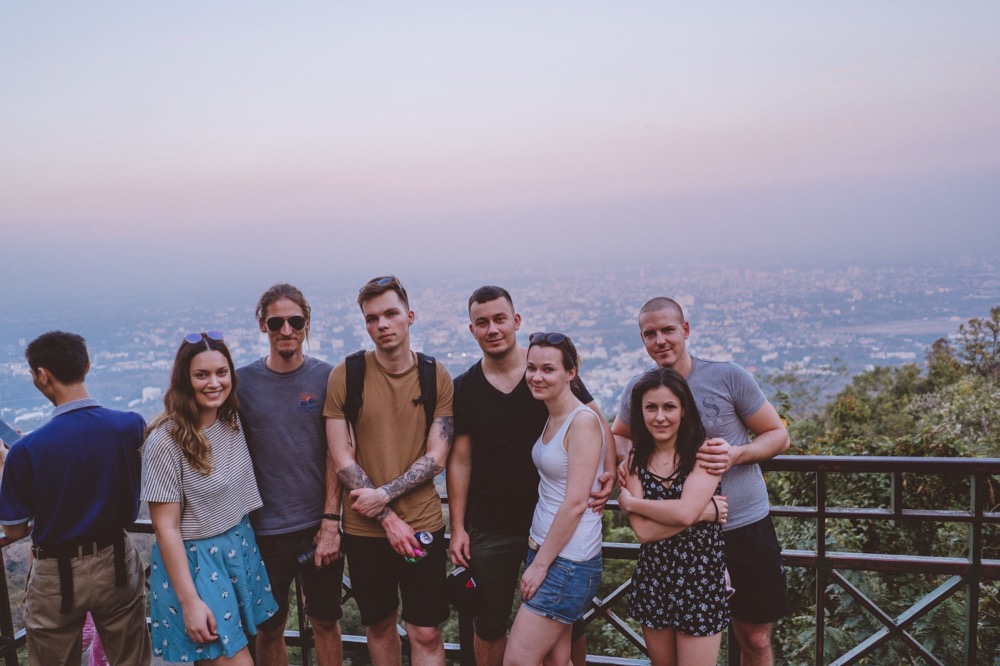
(981, 344)
(948, 407)
(800, 393)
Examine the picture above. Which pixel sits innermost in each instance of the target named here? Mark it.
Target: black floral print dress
(680, 582)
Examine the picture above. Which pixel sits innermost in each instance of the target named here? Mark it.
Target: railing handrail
(968, 570)
(797, 463)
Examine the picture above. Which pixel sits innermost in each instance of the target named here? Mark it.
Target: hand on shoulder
(715, 456)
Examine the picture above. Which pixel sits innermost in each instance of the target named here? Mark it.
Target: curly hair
(180, 408)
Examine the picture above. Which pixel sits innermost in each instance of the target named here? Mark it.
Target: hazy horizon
(769, 319)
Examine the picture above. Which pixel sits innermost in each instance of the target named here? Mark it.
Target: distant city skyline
(820, 325)
(179, 147)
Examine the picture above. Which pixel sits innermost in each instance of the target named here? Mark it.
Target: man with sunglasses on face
(281, 407)
(387, 463)
(492, 481)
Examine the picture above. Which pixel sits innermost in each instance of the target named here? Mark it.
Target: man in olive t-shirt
(388, 467)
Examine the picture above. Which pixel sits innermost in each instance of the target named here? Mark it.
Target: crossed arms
(373, 502)
(654, 520)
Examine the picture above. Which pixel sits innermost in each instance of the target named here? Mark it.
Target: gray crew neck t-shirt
(726, 394)
(282, 414)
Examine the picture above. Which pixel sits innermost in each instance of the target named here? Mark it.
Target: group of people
(277, 470)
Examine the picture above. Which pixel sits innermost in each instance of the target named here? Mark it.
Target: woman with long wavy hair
(679, 590)
(208, 585)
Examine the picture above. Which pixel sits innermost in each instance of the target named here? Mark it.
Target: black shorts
(379, 575)
(496, 560)
(322, 588)
(753, 558)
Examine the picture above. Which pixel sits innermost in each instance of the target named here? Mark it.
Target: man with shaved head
(743, 430)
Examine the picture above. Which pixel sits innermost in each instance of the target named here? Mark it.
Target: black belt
(66, 553)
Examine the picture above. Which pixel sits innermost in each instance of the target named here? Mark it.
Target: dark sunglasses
(550, 338)
(383, 282)
(274, 324)
(195, 338)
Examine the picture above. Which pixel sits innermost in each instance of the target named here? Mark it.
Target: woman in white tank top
(564, 557)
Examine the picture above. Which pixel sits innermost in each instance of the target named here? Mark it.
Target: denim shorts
(567, 590)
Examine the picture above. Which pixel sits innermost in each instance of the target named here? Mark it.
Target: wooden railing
(965, 572)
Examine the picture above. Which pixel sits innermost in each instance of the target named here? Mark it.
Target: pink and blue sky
(170, 143)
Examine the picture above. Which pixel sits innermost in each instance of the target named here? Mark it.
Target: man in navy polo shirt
(78, 477)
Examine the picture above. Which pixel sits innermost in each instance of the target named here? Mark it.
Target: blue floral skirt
(230, 578)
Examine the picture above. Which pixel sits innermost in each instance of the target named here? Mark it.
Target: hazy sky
(202, 143)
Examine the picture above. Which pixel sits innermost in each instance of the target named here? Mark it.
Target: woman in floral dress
(679, 591)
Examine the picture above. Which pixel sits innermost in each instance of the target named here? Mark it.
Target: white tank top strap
(569, 420)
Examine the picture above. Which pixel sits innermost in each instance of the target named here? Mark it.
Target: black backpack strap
(355, 386)
(427, 375)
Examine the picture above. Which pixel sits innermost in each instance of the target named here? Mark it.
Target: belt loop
(66, 584)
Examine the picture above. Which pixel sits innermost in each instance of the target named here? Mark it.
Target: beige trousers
(119, 612)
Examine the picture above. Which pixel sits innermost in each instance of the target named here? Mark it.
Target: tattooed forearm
(447, 424)
(354, 477)
(420, 471)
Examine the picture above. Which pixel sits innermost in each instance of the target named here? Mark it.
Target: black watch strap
(331, 516)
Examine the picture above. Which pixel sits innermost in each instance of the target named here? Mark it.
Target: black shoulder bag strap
(427, 375)
(355, 386)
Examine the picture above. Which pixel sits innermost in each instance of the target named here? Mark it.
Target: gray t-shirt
(726, 395)
(282, 416)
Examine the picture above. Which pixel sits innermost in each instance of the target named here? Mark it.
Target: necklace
(667, 466)
(667, 463)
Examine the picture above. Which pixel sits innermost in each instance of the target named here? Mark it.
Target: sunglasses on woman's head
(195, 338)
(550, 338)
(274, 324)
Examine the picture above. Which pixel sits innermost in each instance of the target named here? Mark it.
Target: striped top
(210, 504)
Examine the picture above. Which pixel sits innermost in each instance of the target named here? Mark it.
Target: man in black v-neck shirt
(492, 481)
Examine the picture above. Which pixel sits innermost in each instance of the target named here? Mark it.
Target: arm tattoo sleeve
(354, 477)
(447, 428)
(420, 471)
